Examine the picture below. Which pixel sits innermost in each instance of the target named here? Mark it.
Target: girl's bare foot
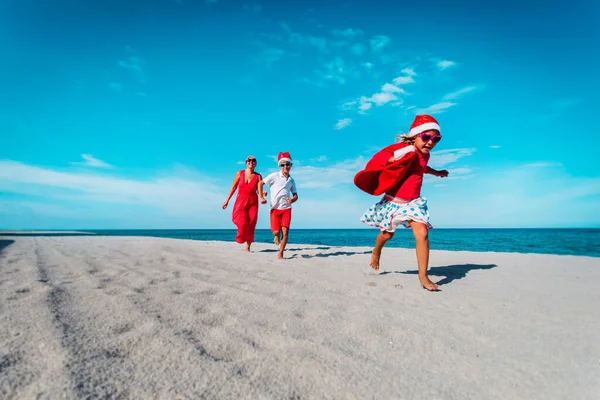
(427, 284)
(375, 255)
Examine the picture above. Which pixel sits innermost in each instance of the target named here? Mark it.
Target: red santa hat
(423, 123)
(284, 157)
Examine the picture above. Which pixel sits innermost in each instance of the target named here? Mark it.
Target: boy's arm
(293, 199)
(294, 191)
(261, 194)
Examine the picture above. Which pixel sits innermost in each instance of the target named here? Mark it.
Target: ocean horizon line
(4, 231)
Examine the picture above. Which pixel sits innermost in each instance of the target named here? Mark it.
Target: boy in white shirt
(282, 186)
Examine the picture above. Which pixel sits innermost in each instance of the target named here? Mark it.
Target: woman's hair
(404, 138)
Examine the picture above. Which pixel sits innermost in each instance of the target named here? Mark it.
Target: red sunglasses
(426, 137)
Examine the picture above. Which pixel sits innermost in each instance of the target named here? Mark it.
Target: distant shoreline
(91, 231)
(21, 233)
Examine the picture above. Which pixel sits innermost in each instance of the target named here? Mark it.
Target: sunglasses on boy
(287, 164)
(426, 137)
(251, 160)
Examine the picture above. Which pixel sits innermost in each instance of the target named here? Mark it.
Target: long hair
(404, 138)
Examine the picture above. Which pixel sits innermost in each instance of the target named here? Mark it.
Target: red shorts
(280, 218)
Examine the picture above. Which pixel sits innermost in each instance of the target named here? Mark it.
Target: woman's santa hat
(284, 157)
(423, 123)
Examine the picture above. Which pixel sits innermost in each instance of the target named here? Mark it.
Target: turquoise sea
(583, 242)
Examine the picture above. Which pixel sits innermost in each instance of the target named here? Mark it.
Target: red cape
(378, 176)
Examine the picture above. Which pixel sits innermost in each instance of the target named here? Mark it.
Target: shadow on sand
(294, 249)
(449, 272)
(335, 254)
(4, 244)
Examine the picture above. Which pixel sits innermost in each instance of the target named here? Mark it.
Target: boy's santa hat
(284, 157)
(423, 123)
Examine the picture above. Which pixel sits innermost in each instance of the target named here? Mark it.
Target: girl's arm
(234, 186)
(442, 174)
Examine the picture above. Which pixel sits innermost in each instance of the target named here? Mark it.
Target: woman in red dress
(245, 209)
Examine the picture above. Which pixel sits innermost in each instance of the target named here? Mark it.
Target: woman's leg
(421, 233)
(251, 226)
(240, 219)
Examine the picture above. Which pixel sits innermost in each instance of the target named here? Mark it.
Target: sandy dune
(147, 318)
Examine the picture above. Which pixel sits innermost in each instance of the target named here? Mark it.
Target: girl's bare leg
(382, 238)
(421, 234)
(248, 244)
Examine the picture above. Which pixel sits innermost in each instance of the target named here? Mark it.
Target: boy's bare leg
(276, 237)
(382, 238)
(284, 241)
(421, 234)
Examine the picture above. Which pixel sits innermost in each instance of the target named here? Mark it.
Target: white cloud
(134, 65)
(543, 164)
(368, 65)
(436, 108)
(382, 98)
(347, 33)
(442, 158)
(181, 192)
(495, 146)
(389, 88)
(409, 72)
(461, 171)
(445, 64)
(364, 105)
(334, 71)
(321, 158)
(338, 174)
(379, 42)
(91, 161)
(348, 105)
(540, 193)
(386, 96)
(459, 93)
(343, 123)
(404, 79)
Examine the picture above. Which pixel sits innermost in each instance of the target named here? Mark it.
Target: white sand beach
(149, 318)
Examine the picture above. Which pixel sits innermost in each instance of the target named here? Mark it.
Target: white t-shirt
(281, 189)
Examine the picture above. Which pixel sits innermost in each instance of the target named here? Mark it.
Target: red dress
(245, 209)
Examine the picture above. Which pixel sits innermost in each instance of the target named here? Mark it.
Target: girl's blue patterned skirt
(387, 215)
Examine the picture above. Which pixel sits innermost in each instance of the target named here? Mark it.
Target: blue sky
(137, 114)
